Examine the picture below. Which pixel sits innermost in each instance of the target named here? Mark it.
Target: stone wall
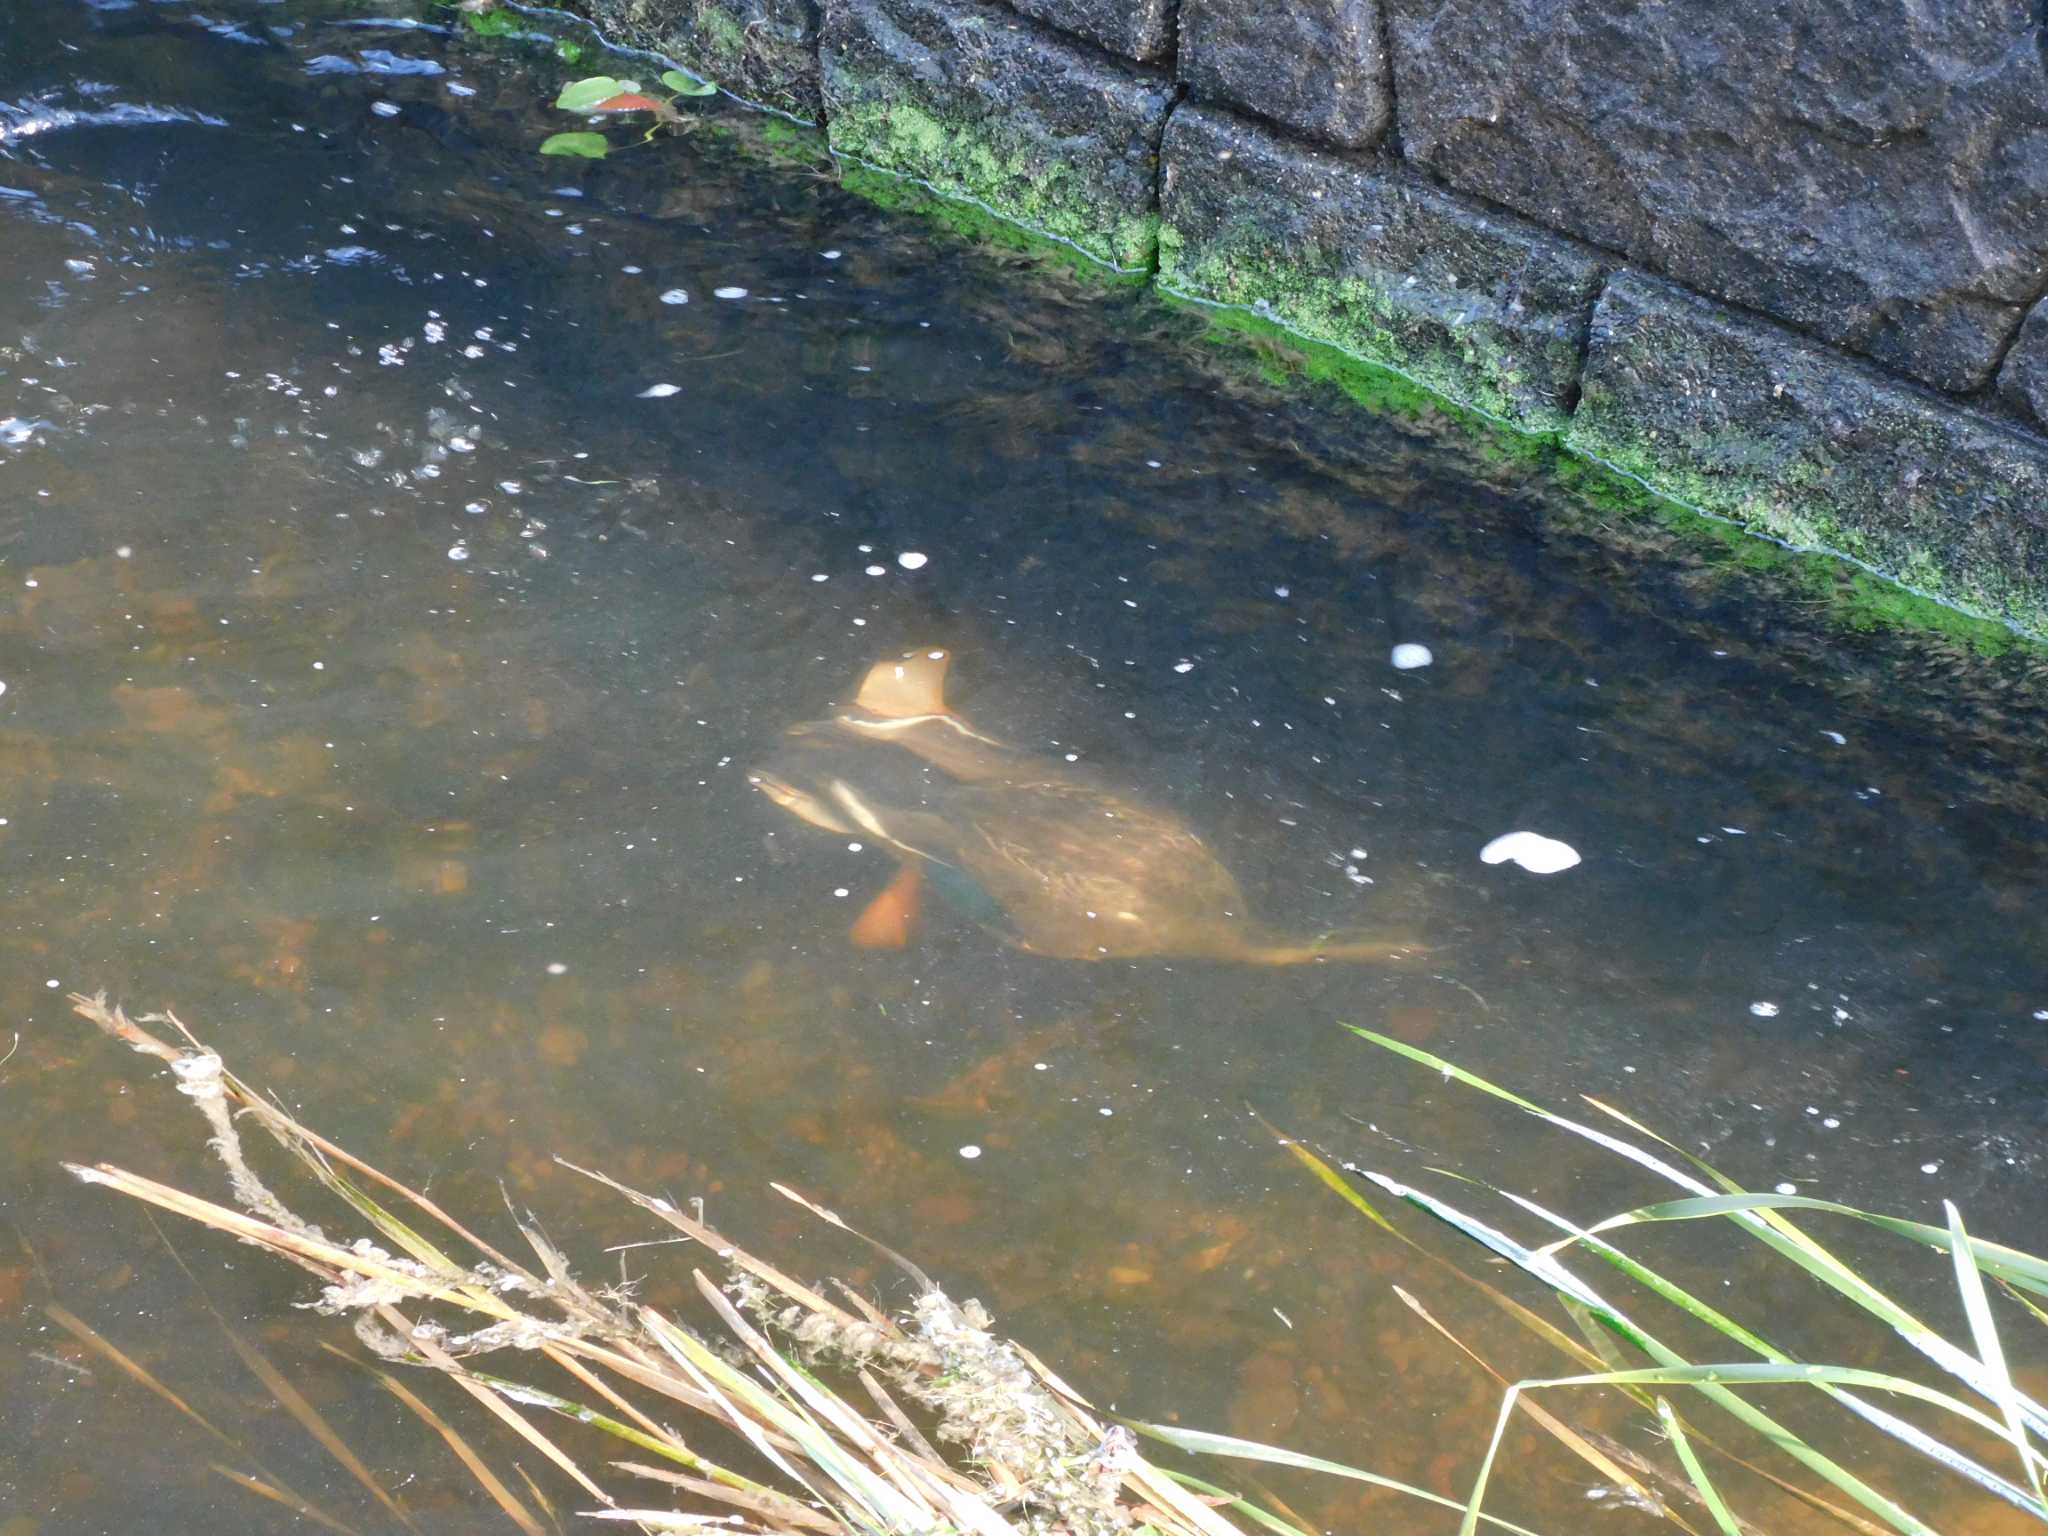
(1786, 260)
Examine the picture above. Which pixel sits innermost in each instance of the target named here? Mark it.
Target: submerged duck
(1045, 855)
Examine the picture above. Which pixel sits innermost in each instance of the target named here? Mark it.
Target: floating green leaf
(590, 146)
(687, 85)
(582, 95)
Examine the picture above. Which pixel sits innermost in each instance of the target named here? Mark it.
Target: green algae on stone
(963, 97)
(1749, 422)
(1833, 592)
(1357, 253)
(971, 221)
(1289, 359)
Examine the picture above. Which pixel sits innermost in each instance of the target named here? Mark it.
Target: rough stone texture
(1873, 171)
(981, 104)
(1362, 254)
(1318, 67)
(1136, 29)
(763, 50)
(1741, 418)
(2023, 381)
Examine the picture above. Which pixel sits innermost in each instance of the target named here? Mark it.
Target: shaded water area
(385, 658)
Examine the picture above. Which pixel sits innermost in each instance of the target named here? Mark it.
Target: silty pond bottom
(411, 547)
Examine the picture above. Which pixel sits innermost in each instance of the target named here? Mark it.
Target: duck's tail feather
(1358, 948)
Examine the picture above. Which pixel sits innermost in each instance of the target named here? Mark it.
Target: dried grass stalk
(1027, 1457)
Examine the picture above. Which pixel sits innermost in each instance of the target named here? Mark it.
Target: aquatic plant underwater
(600, 96)
(774, 1374)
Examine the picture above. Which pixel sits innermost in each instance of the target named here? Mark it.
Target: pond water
(410, 545)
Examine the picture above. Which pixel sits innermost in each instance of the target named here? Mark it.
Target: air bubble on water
(853, 847)
(970, 1151)
(1788, 1188)
(1183, 665)
(911, 560)
(819, 576)
(878, 570)
(1930, 1167)
(660, 391)
(1283, 591)
(458, 551)
(830, 255)
(841, 892)
(675, 296)
(477, 508)
(557, 968)
(729, 293)
(1764, 1010)
(53, 983)
(1836, 737)
(1408, 656)
(384, 108)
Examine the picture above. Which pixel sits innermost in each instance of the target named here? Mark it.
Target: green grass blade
(1242, 1506)
(2026, 1270)
(1890, 1423)
(1765, 1224)
(1977, 1311)
(1547, 1269)
(1206, 1443)
(1702, 1484)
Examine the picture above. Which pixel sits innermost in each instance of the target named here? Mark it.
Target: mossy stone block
(983, 104)
(1358, 252)
(1738, 417)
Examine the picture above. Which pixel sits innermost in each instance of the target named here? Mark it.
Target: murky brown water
(383, 668)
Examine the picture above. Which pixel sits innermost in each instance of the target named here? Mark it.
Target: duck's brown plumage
(1047, 855)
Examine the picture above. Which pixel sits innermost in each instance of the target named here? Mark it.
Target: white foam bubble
(729, 293)
(1408, 656)
(1532, 851)
(1764, 1010)
(911, 560)
(660, 391)
(970, 1151)
(675, 296)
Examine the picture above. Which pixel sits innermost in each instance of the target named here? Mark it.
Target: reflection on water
(385, 655)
